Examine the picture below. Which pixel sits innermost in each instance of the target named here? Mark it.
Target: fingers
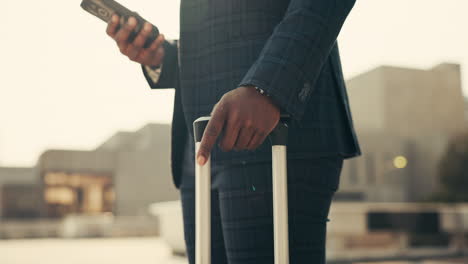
(245, 136)
(231, 133)
(158, 42)
(257, 140)
(157, 57)
(154, 54)
(112, 26)
(212, 131)
(135, 51)
(135, 48)
(140, 39)
(122, 35)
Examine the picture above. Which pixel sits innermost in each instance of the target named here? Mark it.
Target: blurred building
(20, 194)
(404, 118)
(466, 109)
(123, 175)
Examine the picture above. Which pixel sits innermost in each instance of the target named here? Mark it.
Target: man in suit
(245, 62)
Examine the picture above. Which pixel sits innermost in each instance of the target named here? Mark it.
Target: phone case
(104, 9)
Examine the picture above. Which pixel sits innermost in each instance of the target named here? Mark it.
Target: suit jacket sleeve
(169, 70)
(293, 56)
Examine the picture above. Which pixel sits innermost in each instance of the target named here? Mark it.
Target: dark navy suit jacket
(286, 47)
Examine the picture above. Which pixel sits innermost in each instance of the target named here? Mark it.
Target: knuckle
(225, 100)
(248, 123)
(204, 150)
(219, 107)
(211, 131)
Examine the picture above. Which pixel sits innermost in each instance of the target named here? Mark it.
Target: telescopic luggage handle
(278, 138)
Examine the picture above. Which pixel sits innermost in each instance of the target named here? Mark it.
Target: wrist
(263, 93)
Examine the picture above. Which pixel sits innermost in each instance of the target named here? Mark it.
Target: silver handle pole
(202, 211)
(280, 197)
(202, 198)
(280, 205)
(279, 141)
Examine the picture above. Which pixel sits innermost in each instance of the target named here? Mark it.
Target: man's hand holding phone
(135, 51)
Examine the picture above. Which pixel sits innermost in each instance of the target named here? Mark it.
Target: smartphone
(104, 9)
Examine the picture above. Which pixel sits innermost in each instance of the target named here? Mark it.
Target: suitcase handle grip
(278, 137)
(199, 127)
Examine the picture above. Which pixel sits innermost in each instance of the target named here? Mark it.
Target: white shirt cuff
(154, 74)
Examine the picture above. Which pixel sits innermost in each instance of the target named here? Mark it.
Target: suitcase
(278, 139)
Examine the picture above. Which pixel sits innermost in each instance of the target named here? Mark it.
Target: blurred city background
(84, 142)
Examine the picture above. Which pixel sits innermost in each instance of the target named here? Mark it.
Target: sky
(64, 84)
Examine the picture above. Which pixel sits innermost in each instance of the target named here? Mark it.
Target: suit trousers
(242, 209)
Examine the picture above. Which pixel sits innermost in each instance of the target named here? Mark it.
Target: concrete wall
(423, 101)
(366, 94)
(143, 173)
(142, 178)
(410, 112)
